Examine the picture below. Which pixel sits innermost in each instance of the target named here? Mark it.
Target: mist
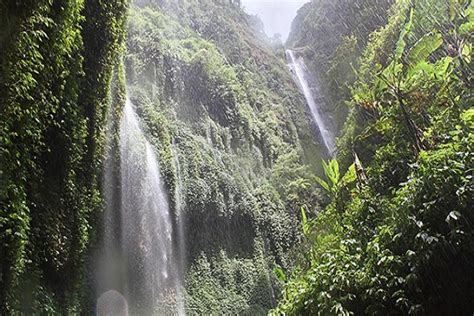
(276, 15)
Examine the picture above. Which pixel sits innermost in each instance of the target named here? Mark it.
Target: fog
(276, 15)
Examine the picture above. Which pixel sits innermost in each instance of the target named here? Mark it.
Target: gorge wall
(214, 97)
(330, 36)
(160, 156)
(57, 59)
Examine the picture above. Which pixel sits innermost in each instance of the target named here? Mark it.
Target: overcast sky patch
(276, 15)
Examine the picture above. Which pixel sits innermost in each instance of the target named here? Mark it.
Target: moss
(229, 125)
(50, 140)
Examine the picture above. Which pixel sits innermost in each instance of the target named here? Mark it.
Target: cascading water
(146, 271)
(300, 74)
(180, 221)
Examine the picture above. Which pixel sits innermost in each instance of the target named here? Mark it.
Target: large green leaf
(331, 170)
(424, 48)
(350, 176)
(323, 183)
(304, 221)
(401, 43)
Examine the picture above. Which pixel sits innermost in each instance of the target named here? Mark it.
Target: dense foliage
(56, 65)
(331, 36)
(386, 228)
(397, 237)
(217, 100)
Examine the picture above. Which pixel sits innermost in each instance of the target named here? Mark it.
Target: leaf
(422, 66)
(331, 170)
(442, 66)
(466, 51)
(350, 176)
(468, 118)
(401, 43)
(468, 26)
(304, 221)
(424, 48)
(452, 9)
(335, 173)
(323, 183)
(279, 273)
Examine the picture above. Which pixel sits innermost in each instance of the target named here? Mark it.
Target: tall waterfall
(179, 205)
(144, 264)
(301, 76)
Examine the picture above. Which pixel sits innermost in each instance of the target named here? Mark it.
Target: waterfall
(139, 228)
(301, 76)
(179, 204)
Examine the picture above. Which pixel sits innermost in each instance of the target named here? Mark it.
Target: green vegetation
(56, 66)
(238, 127)
(332, 35)
(397, 239)
(384, 227)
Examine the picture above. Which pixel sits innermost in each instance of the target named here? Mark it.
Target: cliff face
(214, 100)
(330, 36)
(56, 67)
(213, 95)
(219, 110)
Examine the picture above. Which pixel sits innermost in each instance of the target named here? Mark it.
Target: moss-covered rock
(57, 61)
(218, 99)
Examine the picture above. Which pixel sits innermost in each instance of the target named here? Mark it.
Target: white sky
(277, 15)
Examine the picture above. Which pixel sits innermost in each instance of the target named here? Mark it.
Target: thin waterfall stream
(300, 74)
(145, 264)
(180, 223)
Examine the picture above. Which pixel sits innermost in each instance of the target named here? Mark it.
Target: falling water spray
(298, 69)
(147, 272)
